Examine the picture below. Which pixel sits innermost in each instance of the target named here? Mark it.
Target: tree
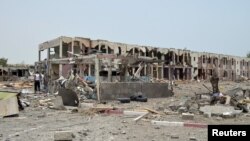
(3, 62)
(248, 55)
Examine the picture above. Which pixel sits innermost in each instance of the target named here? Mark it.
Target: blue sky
(218, 26)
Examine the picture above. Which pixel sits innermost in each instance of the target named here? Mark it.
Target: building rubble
(91, 85)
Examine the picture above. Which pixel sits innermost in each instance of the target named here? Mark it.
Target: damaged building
(119, 62)
(13, 72)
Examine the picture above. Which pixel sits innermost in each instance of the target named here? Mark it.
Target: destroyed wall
(112, 91)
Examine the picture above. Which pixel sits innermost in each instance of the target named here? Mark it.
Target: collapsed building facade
(13, 72)
(119, 62)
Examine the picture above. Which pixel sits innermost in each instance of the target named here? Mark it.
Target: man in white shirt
(37, 78)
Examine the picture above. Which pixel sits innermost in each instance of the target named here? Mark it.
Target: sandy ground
(40, 123)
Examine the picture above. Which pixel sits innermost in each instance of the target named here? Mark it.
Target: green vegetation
(3, 62)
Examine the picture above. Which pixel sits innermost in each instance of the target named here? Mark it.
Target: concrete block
(167, 123)
(192, 139)
(63, 136)
(207, 114)
(58, 104)
(187, 116)
(8, 104)
(182, 110)
(174, 137)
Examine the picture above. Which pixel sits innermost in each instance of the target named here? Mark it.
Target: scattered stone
(187, 116)
(227, 115)
(157, 127)
(207, 114)
(85, 134)
(174, 137)
(115, 133)
(1, 135)
(247, 115)
(217, 110)
(173, 107)
(192, 139)
(218, 118)
(58, 104)
(182, 110)
(123, 132)
(194, 108)
(63, 136)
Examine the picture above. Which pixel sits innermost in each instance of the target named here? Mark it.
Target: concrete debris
(187, 116)
(58, 104)
(69, 97)
(174, 137)
(8, 104)
(63, 136)
(192, 139)
(207, 114)
(218, 110)
(182, 110)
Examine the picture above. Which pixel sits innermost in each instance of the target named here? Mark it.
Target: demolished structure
(13, 72)
(106, 63)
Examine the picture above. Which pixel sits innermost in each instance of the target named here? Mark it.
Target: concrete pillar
(99, 47)
(48, 53)
(178, 74)
(145, 67)
(157, 72)
(178, 58)
(39, 55)
(109, 70)
(89, 69)
(162, 67)
(107, 49)
(170, 73)
(72, 46)
(97, 76)
(80, 45)
(133, 53)
(174, 58)
(162, 71)
(60, 56)
(152, 70)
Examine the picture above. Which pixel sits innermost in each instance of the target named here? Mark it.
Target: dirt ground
(40, 123)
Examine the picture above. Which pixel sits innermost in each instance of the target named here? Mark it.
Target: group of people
(39, 82)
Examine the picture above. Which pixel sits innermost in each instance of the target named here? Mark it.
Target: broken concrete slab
(207, 114)
(69, 97)
(83, 107)
(8, 104)
(58, 103)
(218, 110)
(63, 136)
(182, 110)
(187, 116)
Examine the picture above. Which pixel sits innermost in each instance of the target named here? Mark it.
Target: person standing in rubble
(214, 80)
(37, 80)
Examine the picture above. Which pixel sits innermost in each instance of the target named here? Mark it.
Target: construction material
(69, 97)
(134, 113)
(179, 124)
(63, 136)
(152, 111)
(141, 116)
(8, 104)
(187, 116)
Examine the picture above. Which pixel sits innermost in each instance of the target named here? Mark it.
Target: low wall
(112, 91)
